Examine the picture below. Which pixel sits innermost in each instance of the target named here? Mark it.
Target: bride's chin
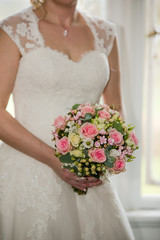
(65, 2)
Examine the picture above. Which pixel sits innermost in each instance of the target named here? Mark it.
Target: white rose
(114, 153)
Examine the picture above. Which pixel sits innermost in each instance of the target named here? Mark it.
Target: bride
(53, 56)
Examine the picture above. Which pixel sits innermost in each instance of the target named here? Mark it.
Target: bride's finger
(79, 186)
(93, 179)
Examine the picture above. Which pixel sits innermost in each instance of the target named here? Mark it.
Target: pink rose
(134, 138)
(88, 130)
(97, 155)
(59, 122)
(63, 145)
(119, 165)
(116, 136)
(104, 114)
(87, 109)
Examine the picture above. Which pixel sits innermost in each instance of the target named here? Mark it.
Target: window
(150, 181)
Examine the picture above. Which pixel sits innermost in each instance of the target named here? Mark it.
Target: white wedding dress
(35, 204)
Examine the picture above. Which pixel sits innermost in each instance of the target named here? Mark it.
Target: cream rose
(74, 139)
(77, 153)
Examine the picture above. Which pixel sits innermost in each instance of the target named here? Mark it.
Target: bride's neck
(60, 13)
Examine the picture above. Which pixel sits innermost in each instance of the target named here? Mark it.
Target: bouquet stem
(80, 192)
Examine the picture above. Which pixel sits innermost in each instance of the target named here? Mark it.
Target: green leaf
(129, 160)
(118, 127)
(110, 159)
(85, 152)
(106, 151)
(75, 106)
(131, 128)
(57, 154)
(125, 137)
(88, 116)
(108, 164)
(132, 157)
(66, 158)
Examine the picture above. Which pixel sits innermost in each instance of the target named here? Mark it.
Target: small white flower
(66, 130)
(111, 111)
(114, 153)
(98, 106)
(70, 123)
(88, 143)
(73, 129)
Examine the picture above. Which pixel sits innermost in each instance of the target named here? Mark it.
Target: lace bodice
(23, 29)
(48, 82)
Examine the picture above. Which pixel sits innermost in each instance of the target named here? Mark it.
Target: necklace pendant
(65, 33)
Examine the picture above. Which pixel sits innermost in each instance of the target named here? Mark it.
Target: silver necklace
(65, 32)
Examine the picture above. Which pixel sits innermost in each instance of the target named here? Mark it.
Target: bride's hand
(75, 181)
(78, 182)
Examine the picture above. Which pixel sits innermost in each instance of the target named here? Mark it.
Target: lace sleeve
(21, 28)
(106, 33)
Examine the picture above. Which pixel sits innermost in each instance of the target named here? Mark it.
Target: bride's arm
(112, 92)
(11, 131)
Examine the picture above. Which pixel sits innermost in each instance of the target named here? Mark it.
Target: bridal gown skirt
(36, 204)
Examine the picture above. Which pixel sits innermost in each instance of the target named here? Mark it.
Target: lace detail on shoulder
(22, 28)
(103, 31)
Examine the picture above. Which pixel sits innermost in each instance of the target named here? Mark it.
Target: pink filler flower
(59, 122)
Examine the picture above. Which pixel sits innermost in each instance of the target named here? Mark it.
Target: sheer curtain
(129, 18)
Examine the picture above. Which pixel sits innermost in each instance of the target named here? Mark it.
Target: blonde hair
(37, 3)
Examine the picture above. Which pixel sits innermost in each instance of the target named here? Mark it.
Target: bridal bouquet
(93, 140)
